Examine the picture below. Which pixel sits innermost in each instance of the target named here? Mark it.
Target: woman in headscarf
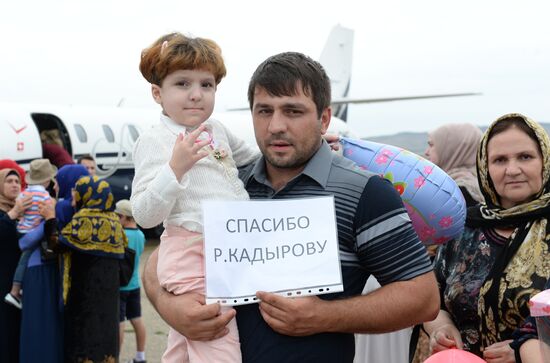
(453, 148)
(11, 208)
(502, 259)
(42, 318)
(42, 323)
(66, 177)
(11, 164)
(93, 243)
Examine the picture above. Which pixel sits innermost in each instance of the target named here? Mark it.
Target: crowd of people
(61, 260)
(63, 242)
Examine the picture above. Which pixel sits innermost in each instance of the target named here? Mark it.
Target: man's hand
(191, 317)
(500, 352)
(187, 313)
(292, 316)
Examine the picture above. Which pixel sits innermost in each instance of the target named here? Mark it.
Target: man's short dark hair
(280, 75)
(85, 157)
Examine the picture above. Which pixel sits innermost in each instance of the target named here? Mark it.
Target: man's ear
(325, 120)
(155, 91)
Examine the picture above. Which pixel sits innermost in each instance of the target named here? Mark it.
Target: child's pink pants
(180, 270)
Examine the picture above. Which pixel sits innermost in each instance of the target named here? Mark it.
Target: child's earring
(163, 46)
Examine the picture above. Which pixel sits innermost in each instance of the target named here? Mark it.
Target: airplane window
(108, 133)
(133, 132)
(81, 133)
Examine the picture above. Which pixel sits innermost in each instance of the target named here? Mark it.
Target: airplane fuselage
(108, 134)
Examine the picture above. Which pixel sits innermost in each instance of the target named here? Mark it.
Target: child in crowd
(130, 299)
(40, 176)
(186, 158)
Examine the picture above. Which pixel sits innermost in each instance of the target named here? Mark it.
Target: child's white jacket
(156, 194)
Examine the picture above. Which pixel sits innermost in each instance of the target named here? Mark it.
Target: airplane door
(52, 130)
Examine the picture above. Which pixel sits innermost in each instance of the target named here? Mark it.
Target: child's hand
(187, 151)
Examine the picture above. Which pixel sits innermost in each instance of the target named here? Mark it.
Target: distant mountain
(412, 141)
(417, 141)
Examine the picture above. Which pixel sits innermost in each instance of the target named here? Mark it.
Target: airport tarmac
(157, 329)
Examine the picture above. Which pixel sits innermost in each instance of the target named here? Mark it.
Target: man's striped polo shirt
(375, 237)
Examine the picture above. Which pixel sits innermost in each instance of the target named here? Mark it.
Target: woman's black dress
(91, 313)
(10, 316)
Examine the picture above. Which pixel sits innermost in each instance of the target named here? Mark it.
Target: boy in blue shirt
(130, 300)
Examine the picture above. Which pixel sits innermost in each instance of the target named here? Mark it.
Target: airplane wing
(346, 100)
(336, 58)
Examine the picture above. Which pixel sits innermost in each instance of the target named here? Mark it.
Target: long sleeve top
(31, 217)
(157, 196)
(461, 267)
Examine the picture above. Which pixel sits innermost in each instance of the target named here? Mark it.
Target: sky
(87, 52)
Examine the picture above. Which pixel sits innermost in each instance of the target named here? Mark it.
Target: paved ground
(157, 330)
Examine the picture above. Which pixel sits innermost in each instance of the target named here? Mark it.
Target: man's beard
(293, 161)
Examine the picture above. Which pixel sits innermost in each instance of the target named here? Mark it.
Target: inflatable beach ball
(454, 356)
(432, 198)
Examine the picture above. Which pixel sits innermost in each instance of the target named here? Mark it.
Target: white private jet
(108, 134)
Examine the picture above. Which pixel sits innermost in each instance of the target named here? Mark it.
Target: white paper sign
(289, 247)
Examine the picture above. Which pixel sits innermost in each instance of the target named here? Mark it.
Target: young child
(130, 299)
(40, 176)
(186, 158)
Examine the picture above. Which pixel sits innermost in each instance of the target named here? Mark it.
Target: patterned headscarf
(95, 228)
(6, 204)
(523, 267)
(456, 147)
(491, 212)
(66, 177)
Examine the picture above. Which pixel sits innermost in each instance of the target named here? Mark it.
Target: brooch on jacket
(219, 154)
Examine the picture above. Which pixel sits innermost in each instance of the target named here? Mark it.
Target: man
(289, 96)
(88, 162)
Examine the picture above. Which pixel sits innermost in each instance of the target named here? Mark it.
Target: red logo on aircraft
(17, 131)
(20, 146)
